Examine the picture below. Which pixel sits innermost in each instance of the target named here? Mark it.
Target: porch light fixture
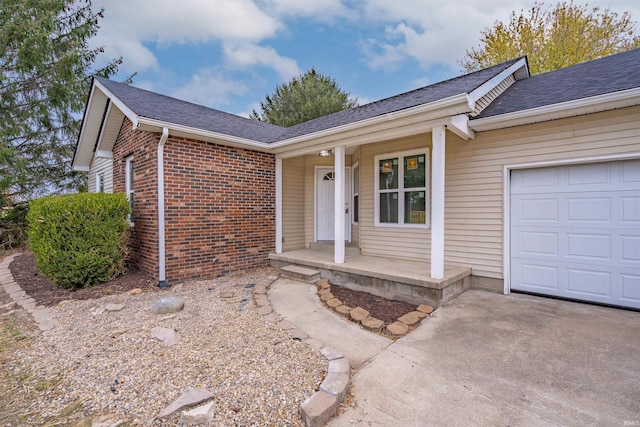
(325, 153)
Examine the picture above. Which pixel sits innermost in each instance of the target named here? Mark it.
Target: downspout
(161, 249)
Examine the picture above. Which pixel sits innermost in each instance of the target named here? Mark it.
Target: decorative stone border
(361, 316)
(41, 314)
(324, 403)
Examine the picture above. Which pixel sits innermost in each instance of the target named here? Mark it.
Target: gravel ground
(107, 363)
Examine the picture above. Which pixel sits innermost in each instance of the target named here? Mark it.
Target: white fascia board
(121, 105)
(490, 84)
(459, 125)
(103, 154)
(80, 146)
(186, 131)
(77, 168)
(594, 104)
(441, 104)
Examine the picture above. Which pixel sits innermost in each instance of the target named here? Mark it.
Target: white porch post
(437, 202)
(339, 207)
(278, 205)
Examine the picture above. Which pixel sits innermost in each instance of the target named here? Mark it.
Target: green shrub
(79, 240)
(13, 227)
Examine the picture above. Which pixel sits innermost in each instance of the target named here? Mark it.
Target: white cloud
(246, 55)
(421, 82)
(210, 88)
(319, 9)
(128, 25)
(435, 32)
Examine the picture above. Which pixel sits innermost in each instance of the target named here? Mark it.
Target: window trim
(100, 182)
(400, 155)
(355, 166)
(128, 187)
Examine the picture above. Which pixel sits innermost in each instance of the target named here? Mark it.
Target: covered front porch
(390, 278)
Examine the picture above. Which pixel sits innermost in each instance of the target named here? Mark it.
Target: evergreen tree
(306, 97)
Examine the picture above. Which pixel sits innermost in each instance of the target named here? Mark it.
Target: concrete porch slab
(390, 278)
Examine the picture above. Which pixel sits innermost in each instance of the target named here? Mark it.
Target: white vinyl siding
(474, 206)
(293, 203)
(102, 166)
(389, 242)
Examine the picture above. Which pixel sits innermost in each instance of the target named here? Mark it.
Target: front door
(325, 203)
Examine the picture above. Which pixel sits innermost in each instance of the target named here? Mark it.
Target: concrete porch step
(304, 274)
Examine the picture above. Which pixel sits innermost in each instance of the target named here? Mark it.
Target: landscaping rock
(114, 307)
(136, 291)
(319, 408)
(191, 396)
(326, 297)
(201, 415)
(264, 310)
(358, 314)
(334, 302)
(168, 336)
(324, 284)
(397, 328)
(323, 291)
(343, 309)
(409, 319)
(426, 309)
(420, 314)
(168, 305)
(372, 324)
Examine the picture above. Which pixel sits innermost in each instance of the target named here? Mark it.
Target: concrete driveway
(489, 359)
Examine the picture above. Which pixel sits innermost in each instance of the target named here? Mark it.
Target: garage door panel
(587, 283)
(631, 288)
(537, 277)
(630, 209)
(630, 249)
(588, 247)
(577, 234)
(589, 209)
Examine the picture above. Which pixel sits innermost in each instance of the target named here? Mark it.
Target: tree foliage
(554, 38)
(46, 67)
(305, 97)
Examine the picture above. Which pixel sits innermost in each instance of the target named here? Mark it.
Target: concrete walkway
(298, 303)
(41, 314)
(485, 359)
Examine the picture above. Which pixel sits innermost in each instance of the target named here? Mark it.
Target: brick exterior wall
(219, 208)
(144, 233)
(219, 205)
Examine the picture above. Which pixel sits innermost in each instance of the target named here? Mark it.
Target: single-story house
(494, 179)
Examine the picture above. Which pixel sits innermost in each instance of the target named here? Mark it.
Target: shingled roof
(602, 76)
(160, 107)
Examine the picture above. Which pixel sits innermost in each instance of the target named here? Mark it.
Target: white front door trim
(506, 181)
(329, 168)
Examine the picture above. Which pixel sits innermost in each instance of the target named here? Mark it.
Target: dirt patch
(47, 293)
(381, 308)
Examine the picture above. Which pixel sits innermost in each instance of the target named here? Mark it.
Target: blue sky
(229, 54)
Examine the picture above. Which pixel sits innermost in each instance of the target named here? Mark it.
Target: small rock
(136, 291)
(201, 415)
(334, 302)
(419, 314)
(264, 310)
(372, 323)
(397, 328)
(358, 314)
(426, 309)
(191, 396)
(343, 309)
(409, 319)
(168, 336)
(114, 307)
(326, 297)
(167, 305)
(324, 291)
(324, 284)
(177, 288)
(65, 302)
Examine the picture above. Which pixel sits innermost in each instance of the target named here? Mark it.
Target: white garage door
(575, 232)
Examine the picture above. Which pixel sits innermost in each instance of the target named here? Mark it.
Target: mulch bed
(47, 293)
(381, 308)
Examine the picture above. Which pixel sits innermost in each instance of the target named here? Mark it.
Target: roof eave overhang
(594, 104)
